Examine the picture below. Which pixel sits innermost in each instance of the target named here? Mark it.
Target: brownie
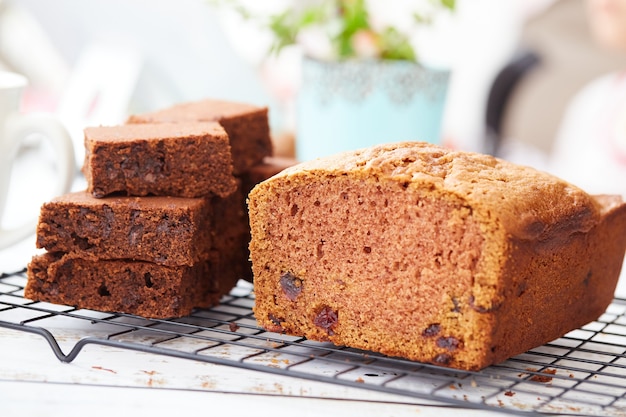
(247, 126)
(413, 250)
(134, 287)
(163, 226)
(164, 230)
(150, 256)
(230, 236)
(269, 167)
(174, 159)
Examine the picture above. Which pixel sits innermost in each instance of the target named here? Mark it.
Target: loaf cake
(247, 126)
(412, 250)
(116, 285)
(174, 159)
(165, 230)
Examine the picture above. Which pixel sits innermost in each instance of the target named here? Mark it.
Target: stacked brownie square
(162, 227)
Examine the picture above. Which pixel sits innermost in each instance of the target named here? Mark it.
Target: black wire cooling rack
(582, 373)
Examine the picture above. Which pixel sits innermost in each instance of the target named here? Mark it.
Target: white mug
(14, 128)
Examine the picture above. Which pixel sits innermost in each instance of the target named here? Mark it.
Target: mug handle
(51, 129)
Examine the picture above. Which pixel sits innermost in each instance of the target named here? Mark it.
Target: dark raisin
(103, 291)
(291, 285)
(451, 343)
(277, 321)
(431, 330)
(367, 249)
(443, 359)
(327, 319)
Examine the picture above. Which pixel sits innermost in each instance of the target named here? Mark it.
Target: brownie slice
(174, 159)
(269, 167)
(150, 256)
(230, 237)
(164, 230)
(134, 287)
(247, 126)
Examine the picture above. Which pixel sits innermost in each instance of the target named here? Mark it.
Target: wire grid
(582, 373)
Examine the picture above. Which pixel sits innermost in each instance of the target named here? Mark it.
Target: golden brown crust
(435, 255)
(527, 202)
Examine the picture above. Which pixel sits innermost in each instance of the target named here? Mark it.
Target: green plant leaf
(450, 4)
(395, 45)
(349, 17)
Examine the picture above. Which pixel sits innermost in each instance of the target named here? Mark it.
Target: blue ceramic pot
(355, 104)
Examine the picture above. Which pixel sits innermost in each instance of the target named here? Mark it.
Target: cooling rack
(582, 373)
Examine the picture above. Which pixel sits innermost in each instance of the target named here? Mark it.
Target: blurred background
(96, 62)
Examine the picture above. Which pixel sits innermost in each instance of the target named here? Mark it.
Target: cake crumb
(543, 378)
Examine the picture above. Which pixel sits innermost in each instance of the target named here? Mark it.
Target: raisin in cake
(173, 159)
(457, 259)
(247, 126)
